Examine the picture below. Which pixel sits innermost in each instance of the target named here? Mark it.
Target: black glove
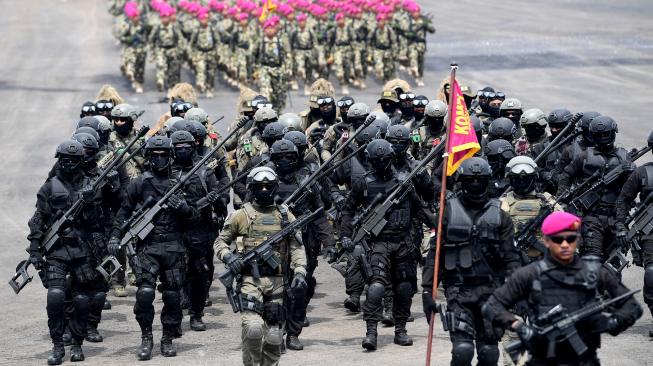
(628, 166)
(621, 236)
(330, 254)
(613, 326)
(347, 244)
(428, 305)
(339, 202)
(213, 196)
(525, 333)
(234, 262)
(114, 180)
(299, 281)
(316, 134)
(179, 205)
(36, 259)
(113, 246)
(87, 192)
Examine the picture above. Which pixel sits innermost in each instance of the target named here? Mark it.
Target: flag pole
(438, 238)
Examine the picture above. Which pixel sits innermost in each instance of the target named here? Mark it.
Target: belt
(163, 238)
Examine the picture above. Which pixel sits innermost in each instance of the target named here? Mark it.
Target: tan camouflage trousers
(205, 68)
(273, 85)
(343, 64)
(133, 61)
(416, 58)
(321, 60)
(168, 66)
(359, 60)
(304, 65)
(242, 65)
(384, 64)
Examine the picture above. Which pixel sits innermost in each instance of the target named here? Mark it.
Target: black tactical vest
(647, 181)
(399, 216)
(595, 160)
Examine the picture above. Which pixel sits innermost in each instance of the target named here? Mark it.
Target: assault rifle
(263, 254)
(526, 237)
(559, 324)
(64, 222)
(640, 223)
(555, 143)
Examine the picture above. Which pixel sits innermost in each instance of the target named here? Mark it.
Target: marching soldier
(203, 44)
(168, 45)
(132, 35)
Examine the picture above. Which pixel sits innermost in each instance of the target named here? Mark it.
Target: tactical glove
(36, 259)
(213, 196)
(621, 236)
(234, 262)
(299, 281)
(525, 333)
(428, 305)
(179, 205)
(330, 254)
(347, 244)
(613, 326)
(113, 246)
(87, 192)
(114, 180)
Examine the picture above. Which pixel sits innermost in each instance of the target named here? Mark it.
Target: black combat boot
(56, 355)
(401, 337)
(92, 335)
(107, 305)
(353, 303)
(306, 323)
(197, 324)
(388, 319)
(167, 348)
(76, 353)
(293, 343)
(147, 343)
(369, 343)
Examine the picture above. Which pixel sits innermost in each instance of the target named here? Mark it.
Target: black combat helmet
(474, 176)
(284, 155)
(70, 155)
(183, 144)
(159, 151)
(273, 132)
(299, 140)
(502, 128)
(90, 144)
(379, 154)
(399, 137)
(603, 131)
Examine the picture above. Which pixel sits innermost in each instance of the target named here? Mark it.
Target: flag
(461, 140)
(268, 8)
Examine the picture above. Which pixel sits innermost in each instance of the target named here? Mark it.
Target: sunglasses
(419, 102)
(322, 101)
(104, 106)
(558, 239)
(345, 103)
(405, 96)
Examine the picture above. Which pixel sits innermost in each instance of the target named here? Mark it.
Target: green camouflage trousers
(133, 60)
(273, 85)
(304, 64)
(242, 65)
(416, 57)
(168, 66)
(321, 60)
(384, 64)
(343, 63)
(205, 67)
(360, 60)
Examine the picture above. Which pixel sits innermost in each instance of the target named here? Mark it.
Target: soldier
(162, 253)
(361, 30)
(306, 156)
(534, 123)
(303, 43)
(328, 118)
(167, 43)
(430, 132)
(382, 42)
(103, 107)
(243, 43)
(478, 255)
(390, 258)
(419, 105)
(562, 278)
(498, 153)
(558, 119)
(342, 38)
(639, 183)
(200, 116)
(273, 72)
(420, 25)
(511, 108)
(407, 109)
(203, 44)
(523, 202)
(599, 228)
(320, 88)
(341, 131)
(247, 106)
(262, 333)
(251, 143)
(502, 129)
(124, 116)
(133, 37)
(70, 256)
(580, 143)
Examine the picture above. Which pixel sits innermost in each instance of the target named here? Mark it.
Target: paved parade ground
(579, 54)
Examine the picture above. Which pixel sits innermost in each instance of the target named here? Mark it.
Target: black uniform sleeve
(129, 203)
(629, 192)
(510, 257)
(240, 186)
(567, 174)
(42, 216)
(627, 311)
(514, 290)
(351, 206)
(221, 179)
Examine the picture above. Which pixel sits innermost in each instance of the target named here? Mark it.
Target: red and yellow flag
(461, 140)
(268, 8)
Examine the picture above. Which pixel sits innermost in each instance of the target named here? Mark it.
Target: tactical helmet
(474, 167)
(183, 144)
(179, 107)
(532, 116)
(436, 108)
(522, 173)
(265, 115)
(89, 131)
(502, 128)
(510, 103)
(399, 136)
(104, 106)
(282, 146)
(474, 175)
(291, 121)
(158, 143)
(173, 124)
(559, 118)
(272, 132)
(650, 140)
(182, 125)
(123, 110)
(198, 131)
(182, 137)
(88, 109)
(478, 125)
(263, 183)
(197, 114)
(158, 150)
(603, 130)
(104, 125)
(357, 114)
(345, 102)
(284, 154)
(379, 154)
(259, 102)
(89, 143)
(382, 121)
(586, 119)
(298, 138)
(88, 121)
(421, 101)
(368, 134)
(500, 147)
(70, 154)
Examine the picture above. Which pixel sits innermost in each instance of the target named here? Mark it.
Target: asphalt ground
(583, 55)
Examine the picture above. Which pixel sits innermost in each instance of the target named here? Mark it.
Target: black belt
(304, 48)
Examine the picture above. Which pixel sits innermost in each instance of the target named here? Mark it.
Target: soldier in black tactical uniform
(558, 119)
(502, 128)
(162, 253)
(71, 255)
(564, 278)
(599, 220)
(390, 257)
(580, 144)
(639, 183)
(284, 159)
(498, 153)
(477, 255)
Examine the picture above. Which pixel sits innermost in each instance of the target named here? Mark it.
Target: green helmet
(291, 121)
(197, 114)
(510, 103)
(436, 108)
(266, 115)
(533, 116)
(124, 110)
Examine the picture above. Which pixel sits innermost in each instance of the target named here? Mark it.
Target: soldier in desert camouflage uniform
(273, 69)
(133, 37)
(383, 41)
(342, 52)
(203, 43)
(167, 44)
(303, 42)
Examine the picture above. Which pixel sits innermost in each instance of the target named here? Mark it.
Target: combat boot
(208, 302)
(388, 318)
(92, 335)
(56, 355)
(353, 303)
(306, 323)
(147, 343)
(369, 343)
(107, 305)
(167, 348)
(197, 324)
(293, 343)
(138, 88)
(420, 82)
(209, 94)
(76, 353)
(401, 337)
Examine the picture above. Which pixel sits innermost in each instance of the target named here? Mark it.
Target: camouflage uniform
(168, 44)
(203, 43)
(247, 228)
(273, 71)
(359, 48)
(401, 24)
(303, 44)
(383, 42)
(249, 145)
(242, 46)
(133, 38)
(116, 7)
(342, 54)
(320, 29)
(134, 167)
(417, 44)
(226, 27)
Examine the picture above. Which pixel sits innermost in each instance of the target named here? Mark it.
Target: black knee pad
(375, 293)
(56, 299)
(98, 299)
(145, 295)
(462, 354)
(648, 277)
(488, 355)
(82, 303)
